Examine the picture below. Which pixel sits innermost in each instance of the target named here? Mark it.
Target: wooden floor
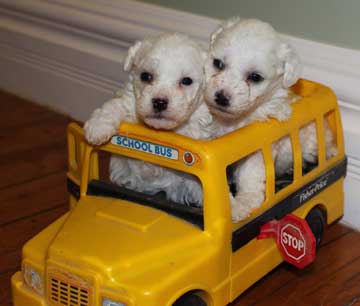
(33, 194)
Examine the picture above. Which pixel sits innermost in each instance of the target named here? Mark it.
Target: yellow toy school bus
(118, 247)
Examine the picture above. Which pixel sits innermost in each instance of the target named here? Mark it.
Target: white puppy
(249, 72)
(165, 91)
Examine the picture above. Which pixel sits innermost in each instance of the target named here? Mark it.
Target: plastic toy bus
(119, 247)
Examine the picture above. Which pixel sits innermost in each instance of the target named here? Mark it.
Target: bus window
(309, 147)
(283, 157)
(330, 134)
(247, 182)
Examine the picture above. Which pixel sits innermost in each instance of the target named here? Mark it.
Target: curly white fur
(245, 48)
(168, 58)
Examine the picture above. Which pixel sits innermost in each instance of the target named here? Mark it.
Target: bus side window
(247, 183)
(309, 147)
(330, 134)
(283, 157)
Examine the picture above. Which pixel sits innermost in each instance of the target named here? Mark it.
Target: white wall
(68, 55)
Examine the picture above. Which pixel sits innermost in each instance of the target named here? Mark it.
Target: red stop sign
(294, 238)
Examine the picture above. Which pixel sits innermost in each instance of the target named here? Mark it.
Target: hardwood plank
(33, 163)
(334, 232)
(340, 288)
(33, 136)
(26, 199)
(5, 288)
(10, 261)
(14, 235)
(9, 264)
(17, 112)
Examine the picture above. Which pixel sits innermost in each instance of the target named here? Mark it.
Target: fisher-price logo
(146, 147)
(313, 189)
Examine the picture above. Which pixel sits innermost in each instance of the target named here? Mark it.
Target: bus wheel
(190, 300)
(316, 221)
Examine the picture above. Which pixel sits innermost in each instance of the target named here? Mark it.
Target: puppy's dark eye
(255, 77)
(218, 64)
(186, 81)
(146, 77)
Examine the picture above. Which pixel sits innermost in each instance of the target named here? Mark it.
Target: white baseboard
(68, 55)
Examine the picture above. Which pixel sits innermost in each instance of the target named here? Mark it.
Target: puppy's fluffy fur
(249, 72)
(166, 60)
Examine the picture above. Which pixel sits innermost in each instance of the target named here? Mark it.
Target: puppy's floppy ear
(224, 25)
(129, 60)
(290, 64)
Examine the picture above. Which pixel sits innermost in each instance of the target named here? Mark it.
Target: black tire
(316, 221)
(190, 300)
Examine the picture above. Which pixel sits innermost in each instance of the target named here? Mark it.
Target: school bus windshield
(147, 184)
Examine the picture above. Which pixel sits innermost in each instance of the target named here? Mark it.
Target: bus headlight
(107, 302)
(33, 279)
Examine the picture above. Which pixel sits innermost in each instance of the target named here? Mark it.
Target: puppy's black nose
(159, 105)
(221, 99)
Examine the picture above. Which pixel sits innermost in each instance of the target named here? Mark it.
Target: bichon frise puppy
(165, 91)
(249, 71)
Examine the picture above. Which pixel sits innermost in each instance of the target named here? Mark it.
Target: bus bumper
(21, 295)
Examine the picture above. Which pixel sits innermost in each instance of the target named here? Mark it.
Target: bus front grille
(63, 293)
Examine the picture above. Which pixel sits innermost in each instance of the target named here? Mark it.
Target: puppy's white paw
(193, 197)
(187, 193)
(98, 132)
(239, 213)
(193, 192)
(244, 203)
